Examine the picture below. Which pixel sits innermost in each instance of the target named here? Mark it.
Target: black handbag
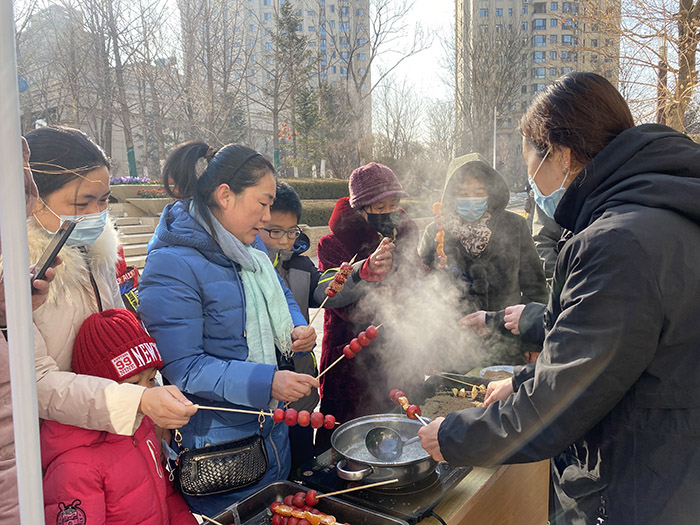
(222, 468)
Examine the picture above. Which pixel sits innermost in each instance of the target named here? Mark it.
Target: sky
(424, 70)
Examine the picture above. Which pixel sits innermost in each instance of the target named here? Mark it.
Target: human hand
(303, 338)
(290, 386)
(381, 260)
(40, 290)
(477, 322)
(498, 391)
(429, 438)
(512, 317)
(166, 406)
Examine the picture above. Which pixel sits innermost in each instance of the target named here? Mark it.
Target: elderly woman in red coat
(372, 226)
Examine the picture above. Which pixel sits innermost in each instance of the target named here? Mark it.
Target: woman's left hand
(303, 338)
(429, 438)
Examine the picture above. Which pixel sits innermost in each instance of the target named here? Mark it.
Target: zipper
(219, 454)
(163, 516)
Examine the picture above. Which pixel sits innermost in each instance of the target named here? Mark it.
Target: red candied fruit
(330, 292)
(290, 417)
(293, 521)
(277, 519)
(412, 411)
(340, 278)
(278, 415)
(329, 422)
(303, 522)
(395, 394)
(299, 501)
(355, 345)
(316, 419)
(363, 338)
(303, 418)
(275, 504)
(372, 331)
(346, 268)
(289, 500)
(310, 497)
(347, 352)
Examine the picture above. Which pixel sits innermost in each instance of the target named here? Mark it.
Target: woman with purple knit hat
(371, 225)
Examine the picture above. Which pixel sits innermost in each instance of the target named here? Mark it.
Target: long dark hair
(60, 155)
(580, 110)
(237, 166)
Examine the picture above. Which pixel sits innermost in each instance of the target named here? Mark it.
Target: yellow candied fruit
(440, 251)
(440, 237)
(437, 208)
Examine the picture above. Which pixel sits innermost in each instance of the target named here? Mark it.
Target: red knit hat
(371, 183)
(113, 344)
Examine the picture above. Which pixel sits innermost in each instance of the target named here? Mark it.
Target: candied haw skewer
(354, 346)
(412, 411)
(317, 420)
(336, 284)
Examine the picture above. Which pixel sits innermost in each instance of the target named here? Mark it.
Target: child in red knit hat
(95, 477)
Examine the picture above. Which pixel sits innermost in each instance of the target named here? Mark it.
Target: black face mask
(384, 223)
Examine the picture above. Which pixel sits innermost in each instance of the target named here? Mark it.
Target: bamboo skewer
(422, 420)
(458, 381)
(326, 299)
(210, 520)
(337, 361)
(361, 487)
(236, 410)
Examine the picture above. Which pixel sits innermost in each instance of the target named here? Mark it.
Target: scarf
(268, 322)
(474, 236)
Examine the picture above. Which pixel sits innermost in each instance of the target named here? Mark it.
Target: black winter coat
(615, 397)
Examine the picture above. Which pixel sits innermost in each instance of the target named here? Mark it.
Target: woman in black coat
(614, 398)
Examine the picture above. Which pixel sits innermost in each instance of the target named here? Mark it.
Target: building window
(360, 12)
(553, 6)
(538, 56)
(312, 28)
(344, 55)
(344, 27)
(524, 26)
(539, 40)
(267, 2)
(332, 69)
(344, 11)
(553, 55)
(268, 46)
(483, 13)
(553, 22)
(332, 24)
(267, 16)
(538, 72)
(343, 71)
(312, 43)
(539, 24)
(552, 39)
(251, 27)
(360, 41)
(499, 11)
(524, 9)
(332, 8)
(510, 11)
(594, 42)
(539, 7)
(362, 57)
(552, 71)
(537, 88)
(566, 7)
(523, 89)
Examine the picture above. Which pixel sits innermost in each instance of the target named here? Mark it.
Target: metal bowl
(358, 463)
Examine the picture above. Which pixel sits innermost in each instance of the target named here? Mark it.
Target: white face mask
(547, 203)
(88, 229)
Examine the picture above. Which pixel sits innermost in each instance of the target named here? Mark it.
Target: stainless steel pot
(358, 464)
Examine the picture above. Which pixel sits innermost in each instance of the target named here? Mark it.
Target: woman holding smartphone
(72, 176)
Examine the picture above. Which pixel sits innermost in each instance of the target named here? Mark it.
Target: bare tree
(489, 78)
(441, 131)
(659, 43)
(397, 117)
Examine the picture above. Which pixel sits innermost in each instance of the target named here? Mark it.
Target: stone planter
(150, 207)
(123, 192)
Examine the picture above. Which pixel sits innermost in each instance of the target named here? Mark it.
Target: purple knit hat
(371, 183)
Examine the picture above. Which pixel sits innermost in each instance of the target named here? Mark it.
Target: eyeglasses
(276, 233)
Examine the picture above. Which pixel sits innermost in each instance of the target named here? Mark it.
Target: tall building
(534, 43)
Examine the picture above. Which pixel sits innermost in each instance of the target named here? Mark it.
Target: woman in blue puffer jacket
(217, 308)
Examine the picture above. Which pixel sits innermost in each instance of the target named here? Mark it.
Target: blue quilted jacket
(192, 302)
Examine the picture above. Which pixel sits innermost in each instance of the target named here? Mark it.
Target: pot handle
(352, 475)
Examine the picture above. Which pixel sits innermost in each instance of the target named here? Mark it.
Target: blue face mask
(88, 229)
(471, 208)
(547, 203)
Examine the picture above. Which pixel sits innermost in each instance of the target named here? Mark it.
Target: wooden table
(508, 494)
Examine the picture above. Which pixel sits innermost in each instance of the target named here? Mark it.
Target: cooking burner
(427, 483)
(412, 502)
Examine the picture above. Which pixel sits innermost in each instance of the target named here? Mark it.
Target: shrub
(130, 180)
(319, 188)
(317, 212)
(157, 193)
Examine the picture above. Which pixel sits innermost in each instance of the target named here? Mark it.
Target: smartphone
(49, 256)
